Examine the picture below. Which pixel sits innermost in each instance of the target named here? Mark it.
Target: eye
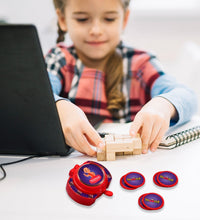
(82, 19)
(109, 19)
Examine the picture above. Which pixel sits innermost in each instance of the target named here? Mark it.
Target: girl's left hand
(152, 121)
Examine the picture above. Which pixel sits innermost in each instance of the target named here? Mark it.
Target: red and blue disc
(153, 201)
(124, 185)
(134, 179)
(155, 179)
(90, 178)
(109, 176)
(91, 175)
(167, 179)
(140, 202)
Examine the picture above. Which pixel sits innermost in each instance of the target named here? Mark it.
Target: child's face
(94, 26)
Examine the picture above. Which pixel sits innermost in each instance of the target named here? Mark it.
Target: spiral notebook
(169, 142)
(180, 138)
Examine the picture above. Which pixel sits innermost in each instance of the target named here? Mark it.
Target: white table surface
(35, 189)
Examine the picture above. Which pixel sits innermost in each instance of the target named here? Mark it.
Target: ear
(61, 20)
(126, 16)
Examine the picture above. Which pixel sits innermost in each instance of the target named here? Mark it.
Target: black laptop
(29, 122)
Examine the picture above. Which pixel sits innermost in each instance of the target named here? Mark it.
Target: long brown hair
(113, 68)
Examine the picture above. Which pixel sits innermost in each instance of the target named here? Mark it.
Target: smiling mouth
(96, 43)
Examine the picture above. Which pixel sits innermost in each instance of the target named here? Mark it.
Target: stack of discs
(165, 179)
(151, 201)
(132, 180)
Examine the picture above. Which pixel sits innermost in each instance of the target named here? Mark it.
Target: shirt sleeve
(55, 60)
(56, 87)
(183, 98)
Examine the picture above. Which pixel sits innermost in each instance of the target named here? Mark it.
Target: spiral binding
(186, 136)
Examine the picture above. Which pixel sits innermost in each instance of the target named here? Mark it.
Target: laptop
(29, 121)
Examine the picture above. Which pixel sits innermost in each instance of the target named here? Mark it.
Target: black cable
(13, 162)
(4, 173)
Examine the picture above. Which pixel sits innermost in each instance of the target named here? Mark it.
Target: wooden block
(119, 145)
(137, 151)
(122, 136)
(101, 154)
(137, 146)
(137, 143)
(110, 156)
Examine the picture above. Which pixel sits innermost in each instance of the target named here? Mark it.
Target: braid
(61, 34)
(114, 79)
(60, 4)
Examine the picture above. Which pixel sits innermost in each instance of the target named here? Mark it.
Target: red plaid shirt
(85, 87)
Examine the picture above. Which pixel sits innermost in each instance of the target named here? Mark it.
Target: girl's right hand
(78, 132)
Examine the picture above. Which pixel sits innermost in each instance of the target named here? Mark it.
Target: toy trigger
(71, 172)
(108, 193)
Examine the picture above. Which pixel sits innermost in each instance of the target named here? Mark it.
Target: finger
(155, 130)
(136, 126)
(72, 143)
(75, 141)
(146, 135)
(93, 137)
(82, 143)
(158, 139)
(87, 147)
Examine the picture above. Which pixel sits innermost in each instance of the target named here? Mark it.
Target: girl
(98, 78)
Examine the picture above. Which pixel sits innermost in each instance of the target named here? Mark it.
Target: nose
(96, 28)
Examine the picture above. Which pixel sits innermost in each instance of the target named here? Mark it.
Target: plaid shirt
(85, 87)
